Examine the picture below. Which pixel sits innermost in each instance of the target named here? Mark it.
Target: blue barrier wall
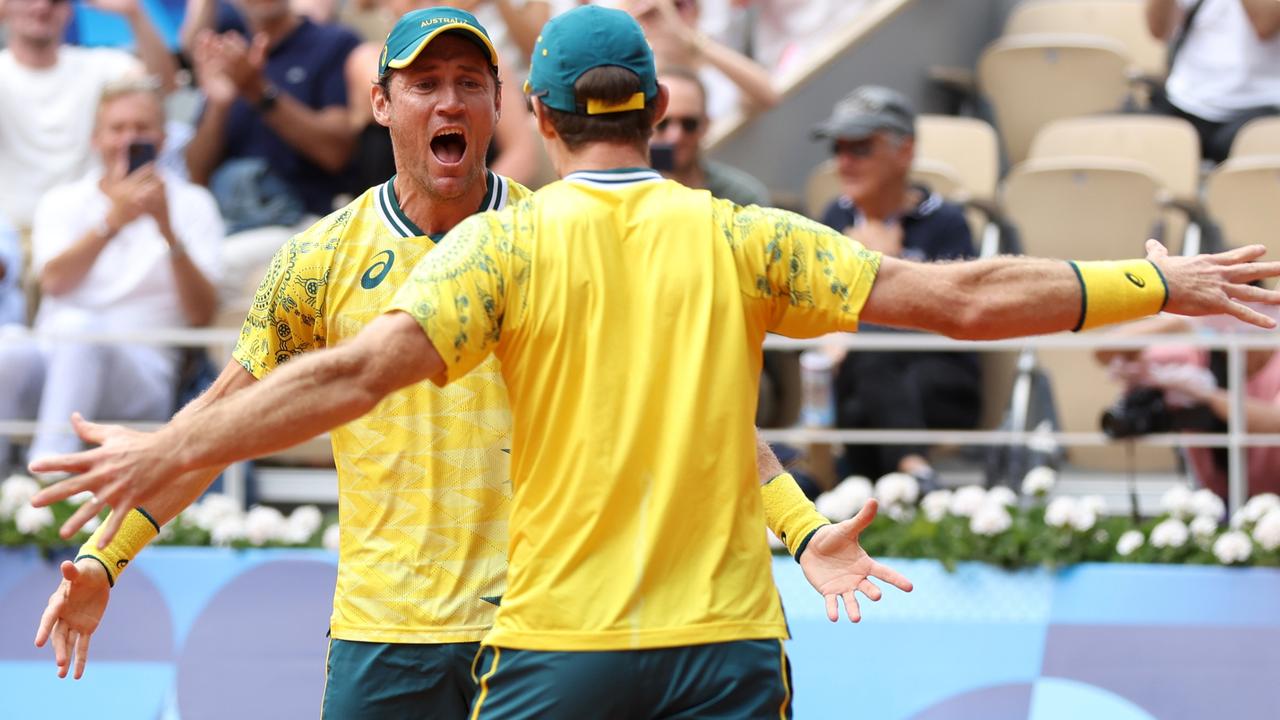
(204, 633)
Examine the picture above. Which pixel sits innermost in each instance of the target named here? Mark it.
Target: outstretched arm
(340, 385)
(1016, 296)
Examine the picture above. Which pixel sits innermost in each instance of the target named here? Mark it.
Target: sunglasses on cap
(689, 125)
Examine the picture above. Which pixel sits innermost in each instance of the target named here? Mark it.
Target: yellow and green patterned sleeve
(808, 278)
(285, 318)
(457, 293)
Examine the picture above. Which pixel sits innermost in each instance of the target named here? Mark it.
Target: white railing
(1235, 439)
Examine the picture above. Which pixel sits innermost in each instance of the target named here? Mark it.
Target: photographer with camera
(131, 247)
(1182, 389)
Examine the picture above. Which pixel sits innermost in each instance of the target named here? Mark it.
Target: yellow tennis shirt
(423, 479)
(628, 312)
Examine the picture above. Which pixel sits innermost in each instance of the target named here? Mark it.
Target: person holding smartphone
(132, 247)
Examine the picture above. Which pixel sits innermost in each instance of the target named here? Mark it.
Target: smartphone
(141, 153)
(662, 156)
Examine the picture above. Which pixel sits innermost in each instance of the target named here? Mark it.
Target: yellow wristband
(136, 531)
(1118, 291)
(789, 514)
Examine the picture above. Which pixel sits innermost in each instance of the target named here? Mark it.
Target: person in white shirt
(1225, 68)
(114, 251)
(48, 91)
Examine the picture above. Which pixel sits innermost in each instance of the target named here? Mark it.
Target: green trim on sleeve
(1084, 295)
(111, 581)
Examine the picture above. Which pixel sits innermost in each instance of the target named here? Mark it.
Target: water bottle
(817, 388)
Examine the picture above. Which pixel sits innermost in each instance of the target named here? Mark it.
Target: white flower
(1267, 531)
(1083, 517)
(304, 521)
(1255, 509)
(991, 519)
(1039, 481)
(227, 530)
(900, 513)
(1203, 527)
(1041, 440)
(330, 539)
(968, 500)
(1170, 533)
(1001, 495)
(846, 499)
(31, 520)
(935, 504)
(1233, 547)
(1129, 543)
(93, 524)
(1096, 503)
(264, 524)
(16, 492)
(897, 489)
(1205, 503)
(1176, 502)
(80, 498)
(1059, 512)
(215, 508)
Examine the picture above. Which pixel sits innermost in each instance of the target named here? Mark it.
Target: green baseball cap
(415, 30)
(589, 37)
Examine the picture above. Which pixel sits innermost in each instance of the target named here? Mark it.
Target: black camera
(1144, 410)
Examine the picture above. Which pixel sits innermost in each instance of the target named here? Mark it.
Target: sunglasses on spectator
(857, 148)
(689, 125)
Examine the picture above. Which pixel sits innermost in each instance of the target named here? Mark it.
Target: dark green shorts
(398, 681)
(744, 679)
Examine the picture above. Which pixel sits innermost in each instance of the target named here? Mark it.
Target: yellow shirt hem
(415, 636)
(565, 641)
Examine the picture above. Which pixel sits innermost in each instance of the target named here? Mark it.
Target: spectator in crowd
(676, 146)
(13, 306)
(274, 141)
(48, 91)
(872, 135)
(115, 251)
(514, 151)
(732, 80)
(1224, 65)
(786, 32)
(1195, 378)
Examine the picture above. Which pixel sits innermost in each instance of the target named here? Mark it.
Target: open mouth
(449, 146)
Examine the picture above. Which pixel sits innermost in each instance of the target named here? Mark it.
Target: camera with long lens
(1145, 410)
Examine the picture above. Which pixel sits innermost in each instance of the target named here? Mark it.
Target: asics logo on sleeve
(1136, 280)
(377, 271)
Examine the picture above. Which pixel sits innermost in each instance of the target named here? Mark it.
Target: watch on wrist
(270, 96)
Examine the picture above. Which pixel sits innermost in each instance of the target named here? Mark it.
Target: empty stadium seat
(968, 145)
(1083, 208)
(1121, 20)
(1169, 148)
(1242, 195)
(1258, 137)
(1032, 80)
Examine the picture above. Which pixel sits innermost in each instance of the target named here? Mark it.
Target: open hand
(837, 566)
(73, 613)
(125, 471)
(1217, 284)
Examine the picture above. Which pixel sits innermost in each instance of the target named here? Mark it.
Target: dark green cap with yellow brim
(415, 30)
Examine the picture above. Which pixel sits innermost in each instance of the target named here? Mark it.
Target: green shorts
(743, 679)
(398, 681)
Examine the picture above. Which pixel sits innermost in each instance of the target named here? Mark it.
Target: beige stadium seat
(1257, 137)
(821, 188)
(1242, 195)
(1032, 80)
(1121, 20)
(1168, 146)
(1081, 391)
(1083, 208)
(968, 145)
(940, 178)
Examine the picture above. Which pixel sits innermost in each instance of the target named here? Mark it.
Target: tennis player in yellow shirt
(628, 314)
